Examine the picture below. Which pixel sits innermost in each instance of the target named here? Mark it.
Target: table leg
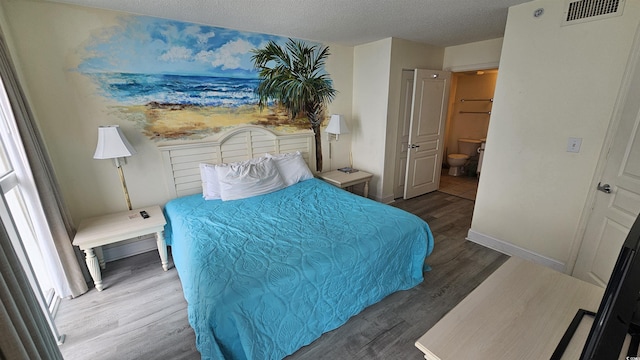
(100, 256)
(94, 268)
(366, 189)
(162, 250)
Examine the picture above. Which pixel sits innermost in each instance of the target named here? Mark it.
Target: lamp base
(124, 183)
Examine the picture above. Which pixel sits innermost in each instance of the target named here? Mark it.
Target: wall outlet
(573, 145)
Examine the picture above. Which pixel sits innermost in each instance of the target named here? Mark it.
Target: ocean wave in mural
(180, 80)
(133, 89)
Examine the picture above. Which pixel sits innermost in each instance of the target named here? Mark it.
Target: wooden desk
(108, 229)
(519, 312)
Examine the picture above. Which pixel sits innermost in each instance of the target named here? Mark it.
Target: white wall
(335, 154)
(340, 67)
(371, 64)
(554, 83)
(473, 56)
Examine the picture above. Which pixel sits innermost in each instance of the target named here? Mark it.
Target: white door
(406, 97)
(426, 132)
(613, 213)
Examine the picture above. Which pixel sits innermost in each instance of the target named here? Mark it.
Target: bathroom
(470, 105)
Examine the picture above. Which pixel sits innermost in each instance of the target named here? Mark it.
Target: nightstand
(345, 180)
(108, 229)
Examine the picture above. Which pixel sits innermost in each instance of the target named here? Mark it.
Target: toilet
(466, 148)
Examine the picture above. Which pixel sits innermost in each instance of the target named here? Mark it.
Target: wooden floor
(463, 186)
(142, 313)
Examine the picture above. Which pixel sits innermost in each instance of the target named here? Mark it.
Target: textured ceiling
(346, 22)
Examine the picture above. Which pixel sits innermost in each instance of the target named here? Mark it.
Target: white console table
(95, 232)
(519, 312)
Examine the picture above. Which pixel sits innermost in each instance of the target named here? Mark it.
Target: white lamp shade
(337, 125)
(112, 143)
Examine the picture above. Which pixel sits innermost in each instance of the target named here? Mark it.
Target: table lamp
(112, 144)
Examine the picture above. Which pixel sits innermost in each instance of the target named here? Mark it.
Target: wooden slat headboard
(181, 162)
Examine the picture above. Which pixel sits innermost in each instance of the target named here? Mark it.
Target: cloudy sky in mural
(149, 60)
(158, 46)
(176, 79)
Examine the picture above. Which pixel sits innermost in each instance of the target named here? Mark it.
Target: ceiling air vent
(590, 10)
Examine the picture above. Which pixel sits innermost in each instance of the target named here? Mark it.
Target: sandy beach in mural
(178, 121)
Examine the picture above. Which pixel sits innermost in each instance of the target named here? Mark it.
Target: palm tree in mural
(294, 77)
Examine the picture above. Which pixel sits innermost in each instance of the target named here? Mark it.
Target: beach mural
(180, 80)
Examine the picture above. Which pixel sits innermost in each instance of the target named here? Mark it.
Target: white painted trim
(474, 67)
(382, 199)
(54, 305)
(513, 250)
(388, 199)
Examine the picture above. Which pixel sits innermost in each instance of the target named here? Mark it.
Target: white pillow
(292, 167)
(246, 179)
(210, 184)
(209, 177)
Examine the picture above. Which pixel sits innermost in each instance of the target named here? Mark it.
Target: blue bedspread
(267, 275)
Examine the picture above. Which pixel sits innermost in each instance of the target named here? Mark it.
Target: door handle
(413, 146)
(606, 188)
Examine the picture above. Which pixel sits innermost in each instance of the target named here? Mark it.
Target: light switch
(573, 145)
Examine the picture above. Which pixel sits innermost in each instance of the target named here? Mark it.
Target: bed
(267, 274)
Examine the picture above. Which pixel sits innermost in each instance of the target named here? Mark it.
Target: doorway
(420, 139)
(470, 105)
(616, 203)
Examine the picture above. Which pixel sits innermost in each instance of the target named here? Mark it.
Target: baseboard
(130, 247)
(513, 250)
(387, 199)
